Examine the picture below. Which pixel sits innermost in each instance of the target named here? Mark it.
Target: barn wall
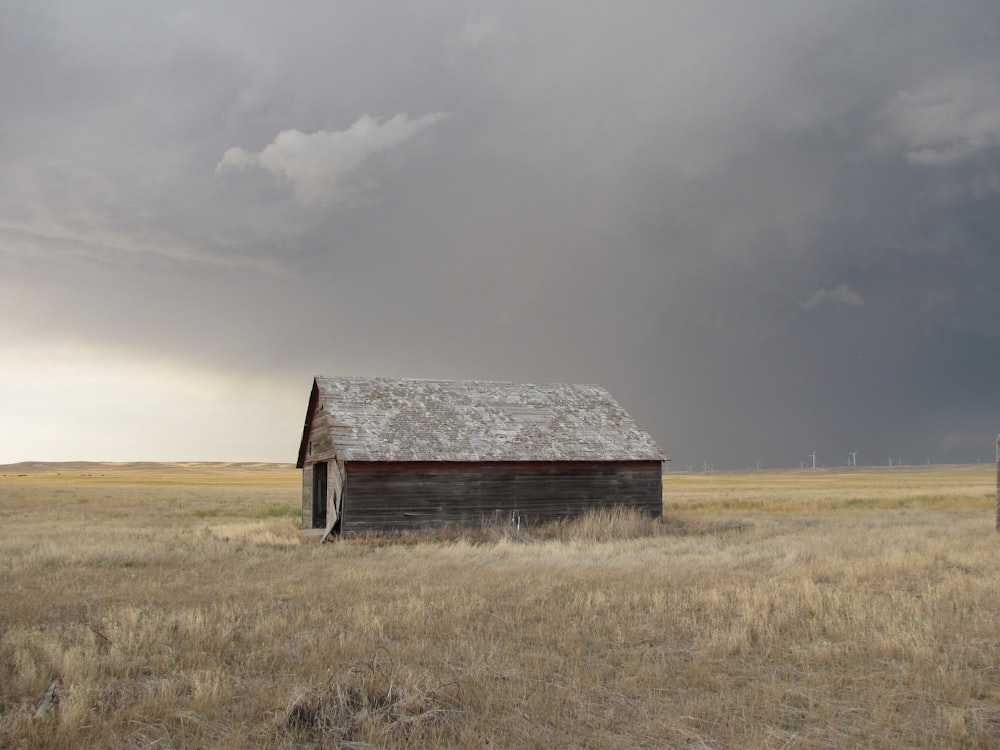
(318, 447)
(385, 496)
(334, 485)
(307, 493)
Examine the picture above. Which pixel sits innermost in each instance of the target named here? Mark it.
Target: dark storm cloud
(769, 229)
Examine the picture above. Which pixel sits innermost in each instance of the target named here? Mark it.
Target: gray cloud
(479, 30)
(767, 229)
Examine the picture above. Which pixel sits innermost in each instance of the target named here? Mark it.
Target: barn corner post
(998, 485)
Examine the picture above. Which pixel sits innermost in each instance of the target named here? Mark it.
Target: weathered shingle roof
(379, 419)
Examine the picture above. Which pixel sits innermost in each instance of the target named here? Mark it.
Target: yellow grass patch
(183, 613)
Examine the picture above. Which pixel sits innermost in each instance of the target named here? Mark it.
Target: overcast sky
(768, 228)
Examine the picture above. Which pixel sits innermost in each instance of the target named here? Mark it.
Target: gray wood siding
(405, 495)
(335, 483)
(307, 496)
(319, 446)
(321, 438)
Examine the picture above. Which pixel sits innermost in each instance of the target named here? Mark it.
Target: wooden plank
(307, 490)
(386, 496)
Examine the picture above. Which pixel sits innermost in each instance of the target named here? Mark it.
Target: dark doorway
(319, 495)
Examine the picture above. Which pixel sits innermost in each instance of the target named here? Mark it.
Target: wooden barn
(382, 454)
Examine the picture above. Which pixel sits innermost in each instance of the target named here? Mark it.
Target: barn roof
(380, 419)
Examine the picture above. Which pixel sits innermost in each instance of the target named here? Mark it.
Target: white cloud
(946, 122)
(318, 165)
(841, 296)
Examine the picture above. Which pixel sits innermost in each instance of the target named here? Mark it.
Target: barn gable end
(380, 454)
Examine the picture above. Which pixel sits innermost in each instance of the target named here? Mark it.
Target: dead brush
(490, 529)
(366, 705)
(605, 525)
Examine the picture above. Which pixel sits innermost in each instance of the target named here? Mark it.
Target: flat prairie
(173, 606)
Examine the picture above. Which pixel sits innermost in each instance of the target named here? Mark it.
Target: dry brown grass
(177, 609)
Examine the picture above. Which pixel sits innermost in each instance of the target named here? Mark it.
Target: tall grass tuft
(606, 525)
(599, 525)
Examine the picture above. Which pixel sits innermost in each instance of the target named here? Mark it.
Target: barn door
(319, 495)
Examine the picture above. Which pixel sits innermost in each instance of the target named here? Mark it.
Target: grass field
(172, 606)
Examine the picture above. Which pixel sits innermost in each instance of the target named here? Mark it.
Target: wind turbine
(813, 457)
(854, 457)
